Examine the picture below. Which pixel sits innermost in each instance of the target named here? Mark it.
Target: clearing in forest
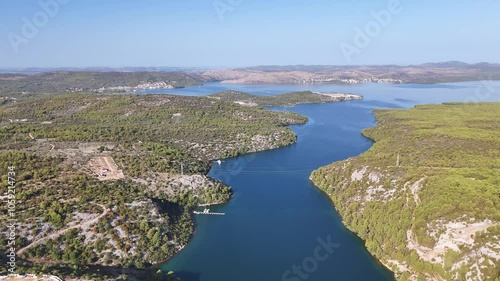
(105, 168)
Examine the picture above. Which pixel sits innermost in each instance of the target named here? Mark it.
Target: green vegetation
(438, 211)
(89, 272)
(19, 86)
(220, 129)
(287, 99)
(155, 150)
(52, 195)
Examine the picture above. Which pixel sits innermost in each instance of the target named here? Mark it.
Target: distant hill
(446, 64)
(18, 85)
(316, 68)
(429, 73)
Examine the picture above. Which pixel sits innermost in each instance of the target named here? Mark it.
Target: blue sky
(230, 33)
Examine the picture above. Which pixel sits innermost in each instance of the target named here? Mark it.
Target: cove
(276, 219)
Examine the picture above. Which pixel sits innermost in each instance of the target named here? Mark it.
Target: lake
(278, 226)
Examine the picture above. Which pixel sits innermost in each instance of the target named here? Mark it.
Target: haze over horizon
(223, 33)
(194, 68)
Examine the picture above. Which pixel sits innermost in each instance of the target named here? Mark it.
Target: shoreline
(212, 204)
(159, 265)
(377, 260)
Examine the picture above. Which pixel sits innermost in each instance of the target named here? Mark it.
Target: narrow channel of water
(277, 220)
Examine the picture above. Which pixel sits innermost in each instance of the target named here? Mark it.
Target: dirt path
(106, 160)
(62, 231)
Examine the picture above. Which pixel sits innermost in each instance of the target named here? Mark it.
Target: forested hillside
(286, 99)
(106, 185)
(426, 196)
(48, 83)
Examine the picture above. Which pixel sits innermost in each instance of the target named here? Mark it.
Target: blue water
(277, 217)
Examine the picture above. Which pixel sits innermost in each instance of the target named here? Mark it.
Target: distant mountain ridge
(303, 67)
(31, 81)
(299, 67)
(428, 73)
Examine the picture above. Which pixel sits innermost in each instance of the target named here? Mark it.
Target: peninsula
(107, 184)
(287, 99)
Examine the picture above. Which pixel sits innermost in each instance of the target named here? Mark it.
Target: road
(62, 231)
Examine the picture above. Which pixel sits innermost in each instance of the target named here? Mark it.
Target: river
(278, 226)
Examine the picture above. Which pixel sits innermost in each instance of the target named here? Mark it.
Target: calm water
(277, 217)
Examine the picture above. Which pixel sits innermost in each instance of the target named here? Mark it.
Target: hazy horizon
(165, 68)
(242, 33)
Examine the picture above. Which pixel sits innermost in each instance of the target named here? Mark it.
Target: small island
(425, 197)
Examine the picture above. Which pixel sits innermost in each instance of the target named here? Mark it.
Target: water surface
(276, 217)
